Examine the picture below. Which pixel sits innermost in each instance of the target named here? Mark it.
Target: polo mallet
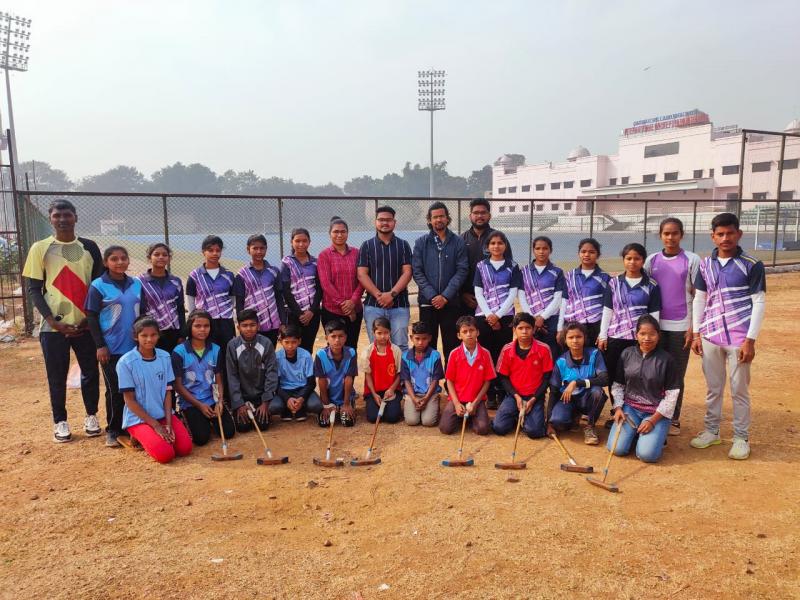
(513, 465)
(459, 462)
(327, 461)
(267, 460)
(611, 487)
(572, 466)
(224, 455)
(368, 459)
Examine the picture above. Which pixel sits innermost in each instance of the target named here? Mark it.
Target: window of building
(539, 187)
(502, 209)
(649, 178)
(612, 181)
(661, 149)
(586, 182)
(567, 205)
(554, 207)
(625, 180)
(673, 176)
(526, 188)
(555, 186)
(568, 184)
(790, 163)
(732, 196)
(711, 172)
(760, 196)
(501, 190)
(730, 170)
(697, 174)
(526, 208)
(787, 195)
(512, 189)
(512, 209)
(762, 167)
(539, 207)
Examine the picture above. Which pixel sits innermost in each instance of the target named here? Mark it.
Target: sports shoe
(91, 426)
(705, 439)
(590, 436)
(111, 440)
(286, 415)
(301, 415)
(674, 428)
(740, 449)
(346, 420)
(61, 432)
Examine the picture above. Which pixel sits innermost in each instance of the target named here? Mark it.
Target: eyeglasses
(385, 220)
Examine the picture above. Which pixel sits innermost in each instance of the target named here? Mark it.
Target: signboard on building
(687, 118)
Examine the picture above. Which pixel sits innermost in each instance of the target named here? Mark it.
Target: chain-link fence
(135, 221)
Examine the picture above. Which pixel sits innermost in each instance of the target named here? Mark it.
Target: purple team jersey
(259, 294)
(302, 280)
(726, 317)
(584, 298)
(161, 302)
(629, 303)
(541, 287)
(496, 284)
(671, 274)
(214, 295)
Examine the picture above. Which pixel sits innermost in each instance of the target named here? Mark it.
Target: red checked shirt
(525, 374)
(338, 278)
(469, 379)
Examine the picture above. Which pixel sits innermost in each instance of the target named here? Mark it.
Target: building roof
(793, 126)
(578, 152)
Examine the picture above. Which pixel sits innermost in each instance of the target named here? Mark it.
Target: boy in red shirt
(380, 363)
(469, 371)
(524, 369)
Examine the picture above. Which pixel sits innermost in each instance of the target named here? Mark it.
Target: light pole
(14, 35)
(431, 98)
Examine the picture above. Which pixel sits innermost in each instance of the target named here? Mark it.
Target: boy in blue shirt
(295, 396)
(335, 369)
(421, 371)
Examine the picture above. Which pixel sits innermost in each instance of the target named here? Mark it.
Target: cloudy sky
(326, 90)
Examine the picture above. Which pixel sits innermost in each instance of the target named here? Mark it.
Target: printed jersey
(539, 288)
(197, 373)
(260, 291)
(496, 284)
(212, 294)
(148, 379)
(117, 305)
(584, 297)
(336, 372)
(161, 298)
(629, 303)
(301, 279)
(422, 373)
(294, 375)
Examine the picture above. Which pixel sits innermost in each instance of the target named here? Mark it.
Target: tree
(186, 179)
(479, 182)
(118, 179)
(41, 176)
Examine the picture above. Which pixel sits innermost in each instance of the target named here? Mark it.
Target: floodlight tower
(14, 35)
(431, 98)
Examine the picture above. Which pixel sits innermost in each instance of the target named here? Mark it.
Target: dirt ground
(81, 520)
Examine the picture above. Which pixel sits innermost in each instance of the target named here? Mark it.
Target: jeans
(398, 318)
(505, 420)
(55, 348)
(392, 412)
(588, 402)
(649, 446)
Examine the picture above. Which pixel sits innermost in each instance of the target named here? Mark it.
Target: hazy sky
(325, 91)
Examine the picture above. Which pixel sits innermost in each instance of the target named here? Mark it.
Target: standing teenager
(541, 293)
(162, 297)
(585, 289)
(728, 310)
(112, 306)
(337, 268)
(258, 287)
(301, 289)
(675, 270)
(58, 270)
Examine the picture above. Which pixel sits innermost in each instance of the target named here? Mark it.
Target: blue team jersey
(422, 374)
(117, 305)
(336, 371)
(197, 373)
(148, 379)
(294, 375)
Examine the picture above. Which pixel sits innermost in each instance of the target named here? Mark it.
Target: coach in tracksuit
(440, 267)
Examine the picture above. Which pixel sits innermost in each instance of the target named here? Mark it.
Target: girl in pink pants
(145, 380)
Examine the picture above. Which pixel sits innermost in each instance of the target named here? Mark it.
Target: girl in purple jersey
(675, 270)
(583, 294)
(162, 297)
(302, 291)
(541, 292)
(258, 287)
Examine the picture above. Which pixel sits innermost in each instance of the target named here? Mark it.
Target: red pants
(158, 447)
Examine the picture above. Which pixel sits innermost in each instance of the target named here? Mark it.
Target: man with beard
(440, 268)
(476, 239)
(384, 270)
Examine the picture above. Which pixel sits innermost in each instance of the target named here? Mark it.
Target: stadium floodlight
(15, 33)
(431, 98)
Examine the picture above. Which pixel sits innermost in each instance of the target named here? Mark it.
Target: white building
(680, 156)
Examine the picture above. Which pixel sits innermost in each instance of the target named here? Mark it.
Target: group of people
(577, 334)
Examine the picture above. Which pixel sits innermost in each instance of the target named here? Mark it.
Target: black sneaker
(301, 415)
(286, 415)
(322, 421)
(346, 420)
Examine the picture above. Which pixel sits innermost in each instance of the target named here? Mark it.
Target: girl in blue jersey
(162, 297)
(112, 305)
(497, 281)
(197, 368)
(583, 297)
(541, 293)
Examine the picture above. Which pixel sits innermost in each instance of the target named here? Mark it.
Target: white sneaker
(91, 426)
(740, 449)
(61, 432)
(704, 439)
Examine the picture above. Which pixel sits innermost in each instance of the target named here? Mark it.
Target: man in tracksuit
(440, 268)
(252, 372)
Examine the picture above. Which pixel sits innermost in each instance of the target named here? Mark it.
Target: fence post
(694, 225)
(530, 235)
(23, 240)
(280, 226)
(591, 218)
(459, 216)
(644, 226)
(775, 236)
(166, 219)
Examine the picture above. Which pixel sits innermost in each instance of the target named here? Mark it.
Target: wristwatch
(393, 293)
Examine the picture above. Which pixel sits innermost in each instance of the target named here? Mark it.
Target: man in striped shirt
(384, 270)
